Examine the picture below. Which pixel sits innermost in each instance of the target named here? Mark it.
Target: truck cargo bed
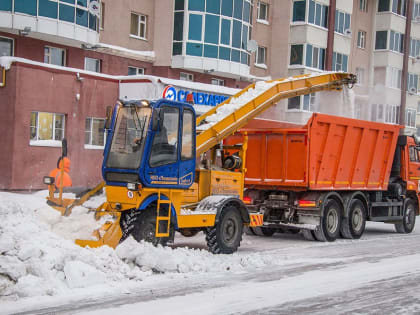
(328, 153)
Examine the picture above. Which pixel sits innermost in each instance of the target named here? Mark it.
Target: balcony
(66, 21)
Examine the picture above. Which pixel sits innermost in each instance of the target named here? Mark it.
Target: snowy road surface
(379, 274)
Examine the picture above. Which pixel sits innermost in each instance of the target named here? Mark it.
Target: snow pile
(36, 261)
(38, 256)
(185, 260)
(236, 103)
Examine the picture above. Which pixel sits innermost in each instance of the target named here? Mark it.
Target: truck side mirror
(157, 120)
(108, 117)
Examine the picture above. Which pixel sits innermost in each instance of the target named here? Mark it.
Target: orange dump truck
(328, 177)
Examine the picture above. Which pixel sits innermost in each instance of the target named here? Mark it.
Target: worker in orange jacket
(56, 173)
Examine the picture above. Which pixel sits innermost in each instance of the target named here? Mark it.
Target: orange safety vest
(56, 173)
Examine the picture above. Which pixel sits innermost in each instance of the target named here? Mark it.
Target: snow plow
(154, 185)
(58, 179)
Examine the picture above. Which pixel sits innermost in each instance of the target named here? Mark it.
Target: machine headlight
(132, 186)
(48, 180)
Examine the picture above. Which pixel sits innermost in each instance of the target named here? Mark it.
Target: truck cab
(151, 144)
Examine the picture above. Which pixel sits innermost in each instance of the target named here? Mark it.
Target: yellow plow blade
(108, 234)
(65, 205)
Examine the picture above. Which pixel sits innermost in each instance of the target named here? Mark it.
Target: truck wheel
(353, 226)
(225, 237)
(145, 229)
(309, 235)
(329, 227)
(409, 218)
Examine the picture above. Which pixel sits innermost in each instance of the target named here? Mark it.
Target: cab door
(414, 165)
(161, 167)
(187, 152)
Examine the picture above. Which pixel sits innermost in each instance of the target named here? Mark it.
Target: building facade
(229, 43)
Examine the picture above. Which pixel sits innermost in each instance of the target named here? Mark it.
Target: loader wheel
(353, 226)
(309, 235)
(145, 229)
(225, 237)
(329, 227)
(409, 218)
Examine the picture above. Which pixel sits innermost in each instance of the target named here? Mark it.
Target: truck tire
(330, 222)
(309, 235)
(409, 218)
(225, 237)
(145, 229)
(353, 226)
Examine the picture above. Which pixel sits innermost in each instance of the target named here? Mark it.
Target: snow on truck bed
(38, 256)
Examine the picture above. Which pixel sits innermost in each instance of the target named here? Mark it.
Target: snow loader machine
(167, 170)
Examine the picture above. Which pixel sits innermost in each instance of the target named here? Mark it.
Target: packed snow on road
(43, 271)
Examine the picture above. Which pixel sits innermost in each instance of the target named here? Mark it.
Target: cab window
(165, 142)
(414, 154)
(187, 135)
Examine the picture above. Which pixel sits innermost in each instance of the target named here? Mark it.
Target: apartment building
(229, 43)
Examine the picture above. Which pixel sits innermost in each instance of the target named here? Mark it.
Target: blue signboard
(200, 98)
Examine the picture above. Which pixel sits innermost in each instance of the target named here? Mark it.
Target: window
(392, 114)
(46, 126)
(361, 39)
(217, 29)
(165, 142)
(92, 64)
(414, 48)
(315, 57)
(305, 103)
(299, 11)
(135, 71)
(187, 135)
(396, 41)
(318, 14)
(220, 82)
(416, 12)
(383, 5)
(262, 11)
(394, 78)
(102, 15)
(410, 117)
(381, 40)
(412, 83)
(260, 57)
(342, 23)
(94, 133)
(399, 7)
(186, 76)
(138, 25)
(296, 55)
(340, 62)
(308, 102)
(54, 56)
(6, 46)
(360, 74)
(363, 5)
